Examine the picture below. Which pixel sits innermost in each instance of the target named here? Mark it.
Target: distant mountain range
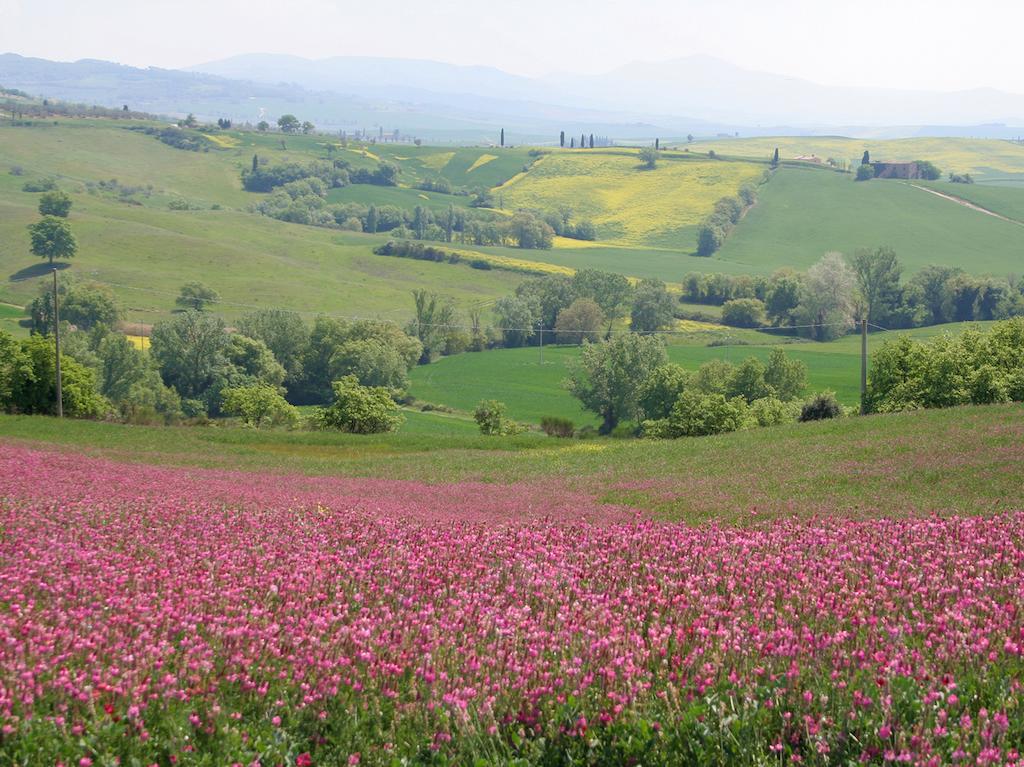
(696, 95)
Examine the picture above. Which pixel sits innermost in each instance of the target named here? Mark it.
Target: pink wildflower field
(195, 617)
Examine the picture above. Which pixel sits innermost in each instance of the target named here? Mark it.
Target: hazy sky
(932, 44)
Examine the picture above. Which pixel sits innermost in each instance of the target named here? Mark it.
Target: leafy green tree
(83, 305)
(191, 352)
(33, 382)
(580, 321)
(377, 353)
(258, 405)
(14, 365)
(748, 381)
(262, 126)
(490, 417)
(308, 127)
(516, 319)
(649, 157)
(714, 376)
(531, 232)
(933, 282)
(878, 274)
(359, 409)
(783, 296)
(196, 296)
(251, 362)
(288, 123)
(743, 313)
(51, 238)
(865, 172)
(652, 307)
(284, 333)
(710, 236)
(928, 170)
(55, 203)
(551, 294)
(788, 378)
(608, 376)
(659, 392)
(828, 298)
(612, 292)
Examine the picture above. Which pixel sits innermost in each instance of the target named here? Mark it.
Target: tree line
(827, 299)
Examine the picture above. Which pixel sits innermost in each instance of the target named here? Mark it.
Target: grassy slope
(1006, 201)
(802, 214)
(962, 460)
(532, 390)
(251, 260)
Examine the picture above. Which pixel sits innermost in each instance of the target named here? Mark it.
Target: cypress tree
(503, 137)
(572, 143)
(591, 140)
(775, 157)
(561, 139)
(255, 162)
(657, 143)
(583, 141)
(867, 158)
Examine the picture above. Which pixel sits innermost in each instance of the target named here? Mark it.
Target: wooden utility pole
(56, 336)
(863, 365)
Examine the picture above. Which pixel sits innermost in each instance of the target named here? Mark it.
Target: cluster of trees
(264, 177)
(714, 229)
(578, 309)
(583, 142)
(970, 368)
(961, 178)
(837, 291)
(629, 382)
(178, 138)
(196, 366)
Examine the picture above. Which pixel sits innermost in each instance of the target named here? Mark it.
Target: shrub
(771, 411)
(865, 172)
(624, 431)
(821, 407)
(490, 417)
(258, 405)
(42, 185)
(359, 409)
(743, 313)
(696, 414)
(556, 426)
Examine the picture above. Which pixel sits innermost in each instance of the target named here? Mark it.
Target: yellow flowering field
(629, 205)
(482, 160)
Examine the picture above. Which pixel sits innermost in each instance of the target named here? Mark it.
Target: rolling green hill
(147, 251)
(802, 214)
(130, 238)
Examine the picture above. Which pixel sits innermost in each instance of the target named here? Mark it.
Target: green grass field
(803, 214)
(961, 460)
